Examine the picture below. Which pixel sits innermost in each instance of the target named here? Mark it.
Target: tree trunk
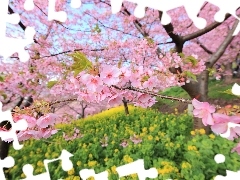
(125, 105)
(228, 73)
(199, 91)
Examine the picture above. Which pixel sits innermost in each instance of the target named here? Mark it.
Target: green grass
(215, 91)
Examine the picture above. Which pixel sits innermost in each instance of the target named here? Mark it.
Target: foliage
(80, 62)
(167, 144)
(51, 84)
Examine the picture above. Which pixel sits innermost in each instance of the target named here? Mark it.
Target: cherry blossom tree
(96, 56)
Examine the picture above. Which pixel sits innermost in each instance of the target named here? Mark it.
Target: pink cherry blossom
(150, 83)
(124, 143)
(30, 120)
(221, 125)
(203, 110)
(110, 75)
(45, 121)
(115, 100)
(24, 135)
(92, 82)
(46, 133)
(135, 139)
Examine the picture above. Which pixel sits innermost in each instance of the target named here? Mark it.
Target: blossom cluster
(111, 83)
(223, 123)
(38, 128)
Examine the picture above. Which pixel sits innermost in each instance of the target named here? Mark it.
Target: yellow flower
(151, 129)
(76, 178)
(40, 163)
(193, 133)
(84, 145)
(116, 150)
(106, 159)
(144, 129)
(90, 156)
(157, 138)
(202, 131)
(92, 163)
(192, 148)
(79, 163)
(211, 136)
(134, 176)
(127, 159)
(113, 169)
(23, 175)
(186, 165)
(71, 172)
(150, 137)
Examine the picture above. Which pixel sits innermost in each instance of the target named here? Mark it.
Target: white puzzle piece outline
(66, 166)
(20, 125)
(7, 162)
(192, 8)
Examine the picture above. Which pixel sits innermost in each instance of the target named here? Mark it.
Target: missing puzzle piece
(9, 46)
(192, 8)
(12, 133)
(66, 166)
(6, 163)
(137, 167)
(220, 158)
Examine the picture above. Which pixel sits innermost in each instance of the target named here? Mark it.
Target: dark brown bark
(83, 110)
(125, 105)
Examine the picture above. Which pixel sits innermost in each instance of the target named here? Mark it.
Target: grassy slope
(166, 144)
(215, 92)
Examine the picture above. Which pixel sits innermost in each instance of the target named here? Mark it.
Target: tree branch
(65, 52)
(178, 40)
(204, 31)
(221, 49)
(204, 47)
(23, 27)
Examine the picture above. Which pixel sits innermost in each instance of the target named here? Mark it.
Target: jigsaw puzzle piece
(9, 46)
(193, 8)
(76, 3)
(87, 173)
(16, 126)
(137, 167)
(53, 14)
(5, 163)
(66, 162)
(28, 5)
(226, 7)
(28, 171)
(220, 158)
(66, 166)
(230, 175)
(6, 18)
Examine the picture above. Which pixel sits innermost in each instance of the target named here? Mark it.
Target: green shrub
(167, 144)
